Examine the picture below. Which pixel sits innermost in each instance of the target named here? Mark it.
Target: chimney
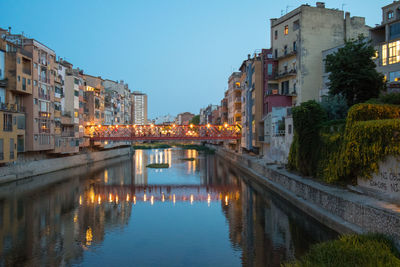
(321, 4)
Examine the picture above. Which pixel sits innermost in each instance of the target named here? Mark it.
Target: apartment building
(298, 39)
(252, 105)
(66, 109)
(223, 109)
(234, 96)
(139, 108)
(184, 118)
(118, 102)
(15, 85)
(386, 39)
(93, 96)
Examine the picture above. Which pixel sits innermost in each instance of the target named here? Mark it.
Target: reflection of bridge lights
(110, 199)
(99, 199)
(116, 199)
(80, 200)
(208, 199)
(127, 197)
(89, 236)
(134, 200)
(105, 174)
(75, 218)
(173, 199)
(163, 197)
(226, 200)
(191, 199)
(144, 198)
(152, 200)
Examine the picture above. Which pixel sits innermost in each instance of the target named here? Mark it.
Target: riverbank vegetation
(188, 159)
(367, 250)
(340, 151)
(158, 165)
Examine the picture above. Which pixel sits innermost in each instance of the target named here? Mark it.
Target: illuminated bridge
(163, 132)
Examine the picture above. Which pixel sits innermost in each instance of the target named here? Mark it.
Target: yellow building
(15, 85)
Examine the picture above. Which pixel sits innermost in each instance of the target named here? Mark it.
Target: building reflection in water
(56, 224)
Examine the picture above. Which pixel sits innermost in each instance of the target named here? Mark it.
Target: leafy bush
(368, 250)
(391, 98)
(304, 153)
(371, 134)
(335, 106)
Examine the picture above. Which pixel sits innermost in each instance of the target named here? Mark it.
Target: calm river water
(120, 213)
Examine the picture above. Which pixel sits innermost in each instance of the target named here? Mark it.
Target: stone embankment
(340, 209)
(28, 169)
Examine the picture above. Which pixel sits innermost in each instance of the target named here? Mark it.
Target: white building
(139, 108)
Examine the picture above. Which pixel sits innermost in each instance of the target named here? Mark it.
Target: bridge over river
(163, 132)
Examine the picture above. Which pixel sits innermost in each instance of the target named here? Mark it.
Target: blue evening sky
(179, 52)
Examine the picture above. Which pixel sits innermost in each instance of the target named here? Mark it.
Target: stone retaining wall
(33, 168)
(340, 209)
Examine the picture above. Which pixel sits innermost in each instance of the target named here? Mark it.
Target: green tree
(335, 106)
(352, 72)
(195, 120)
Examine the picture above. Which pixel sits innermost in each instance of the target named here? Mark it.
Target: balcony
(287, 54)
(44, 79)
(44, 96)
(284, 74)
(68, 134)
(12, 108)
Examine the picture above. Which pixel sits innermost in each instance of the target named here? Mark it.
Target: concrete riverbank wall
(338, 208)
(20, 171)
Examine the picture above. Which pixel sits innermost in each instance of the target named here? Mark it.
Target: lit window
(286, 30)
(394, 49)
(384, 55)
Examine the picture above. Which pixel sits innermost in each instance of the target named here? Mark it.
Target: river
(121, 213)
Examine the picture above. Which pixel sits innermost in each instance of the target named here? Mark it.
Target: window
(19, 78)
(294, 46)
(394, 76)
(286, 31)
(21, 122)
(35, 65)
(394, 31)
(276, 53)
(76, 81)
(11, 148)
(289, 129)
(1, 149)
(285, 50)
(384, 55)
(296, 25)
(7, 122)
(276, 35)
(35, 101)
(390, 15)
(24, 84)
(285, 88)
(35, 83)
(76, 93)
(76, 114)
(29, 81)
(394, 49)
(269, 69)
(18, 60)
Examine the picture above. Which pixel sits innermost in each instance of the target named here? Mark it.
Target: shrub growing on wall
(372, 133)
(304, 153)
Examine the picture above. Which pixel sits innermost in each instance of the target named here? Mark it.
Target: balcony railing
(11, 108)
(44, 79)
(44, 96)
(287, 54)
(68, 134)
(284, 74)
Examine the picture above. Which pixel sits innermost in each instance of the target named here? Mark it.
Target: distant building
(234, 96)
(139, 108)
(165, 120)
(206, 114)
(386, 39)
(184, 118)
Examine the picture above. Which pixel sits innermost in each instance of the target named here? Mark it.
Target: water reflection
(128, 214)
